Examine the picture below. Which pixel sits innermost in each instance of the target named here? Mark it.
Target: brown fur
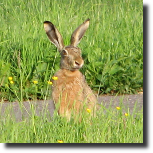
(70, 90)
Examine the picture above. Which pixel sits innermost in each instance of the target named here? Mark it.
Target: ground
(128, 101)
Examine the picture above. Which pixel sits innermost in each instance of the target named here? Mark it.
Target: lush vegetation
(112, 46)
(111, 125)
(113, 52)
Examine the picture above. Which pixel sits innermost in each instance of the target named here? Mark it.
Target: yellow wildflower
(11, 82)
(50, 82)
(60, 141)
(35, 82)
(10, 78)
(55, 78)
(126, 114)
(88, 110)
(118, 108)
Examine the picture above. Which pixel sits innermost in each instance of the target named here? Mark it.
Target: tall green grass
(109, 126)
(112, 46)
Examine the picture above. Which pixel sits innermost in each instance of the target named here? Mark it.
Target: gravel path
(21, 110)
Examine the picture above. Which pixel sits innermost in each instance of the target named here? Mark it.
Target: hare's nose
(78, 64)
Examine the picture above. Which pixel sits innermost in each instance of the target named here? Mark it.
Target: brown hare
(70, 90)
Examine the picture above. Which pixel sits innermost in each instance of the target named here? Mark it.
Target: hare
(70, 90)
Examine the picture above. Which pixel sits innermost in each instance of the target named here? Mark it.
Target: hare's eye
(64, 52)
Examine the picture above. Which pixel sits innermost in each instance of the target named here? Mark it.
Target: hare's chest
(65, 83)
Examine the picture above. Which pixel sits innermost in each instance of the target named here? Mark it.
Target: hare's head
(71, 58)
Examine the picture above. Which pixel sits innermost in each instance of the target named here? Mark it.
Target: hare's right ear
(54, 35)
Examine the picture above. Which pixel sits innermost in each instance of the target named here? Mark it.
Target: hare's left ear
(79, 32)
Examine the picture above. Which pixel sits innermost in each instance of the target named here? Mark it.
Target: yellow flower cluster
(118, 108)
(34, 81)
(88, 110)
(126, 114)
(55, 78)
(60, 141)
(11, 80)
(49, 82)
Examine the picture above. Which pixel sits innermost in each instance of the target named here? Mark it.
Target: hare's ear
(54, 35)
(79, 32)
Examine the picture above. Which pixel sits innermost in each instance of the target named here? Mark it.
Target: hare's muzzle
(78, 64)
